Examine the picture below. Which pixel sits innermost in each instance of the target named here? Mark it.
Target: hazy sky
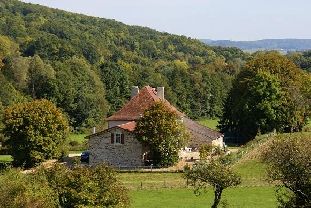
(213, 19)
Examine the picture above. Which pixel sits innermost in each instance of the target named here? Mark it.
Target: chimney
(135, 91)
(160, 92)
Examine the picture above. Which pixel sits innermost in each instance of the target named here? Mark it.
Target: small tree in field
(213, 173)
(289, 163)
(36, 132)
(162, 130)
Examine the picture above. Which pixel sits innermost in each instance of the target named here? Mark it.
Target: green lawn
(211, 123)
(6, 158)
(77, 137)
(77, 143)
(135, 181)
(240, 197)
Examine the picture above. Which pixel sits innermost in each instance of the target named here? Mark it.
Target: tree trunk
(217, 192)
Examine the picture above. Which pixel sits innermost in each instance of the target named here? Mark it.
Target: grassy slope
(5, 158)
(211, 123)
(77, 137)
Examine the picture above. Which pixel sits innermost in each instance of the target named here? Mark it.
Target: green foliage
(162, 130)
(111, 57)
(25, 190)
(59, 186)
(288, 160)
(36, 130)
(268, 94)
(87, 187)
(214, 173)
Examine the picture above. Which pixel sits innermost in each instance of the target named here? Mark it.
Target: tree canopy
(288, 159)
(86, 65)
(163, 131)
(270, 93)
(215, 173)
(36, 132)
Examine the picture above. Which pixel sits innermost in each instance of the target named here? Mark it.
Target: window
(117, 138)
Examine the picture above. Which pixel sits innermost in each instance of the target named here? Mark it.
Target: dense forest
(87, 65)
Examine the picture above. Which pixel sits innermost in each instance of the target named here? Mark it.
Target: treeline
(87, 65)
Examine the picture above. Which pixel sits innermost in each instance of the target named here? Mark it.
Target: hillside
(284, 45)
(87, 65)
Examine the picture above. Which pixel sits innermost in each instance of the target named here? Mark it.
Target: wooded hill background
(87, 65)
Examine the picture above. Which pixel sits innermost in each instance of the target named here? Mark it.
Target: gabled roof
(200, 134)
(129, 126)
(135, 108)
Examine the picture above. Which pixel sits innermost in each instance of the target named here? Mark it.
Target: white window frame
(117, 137)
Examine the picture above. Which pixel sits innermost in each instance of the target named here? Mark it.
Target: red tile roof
(130, 126)
(135, 108)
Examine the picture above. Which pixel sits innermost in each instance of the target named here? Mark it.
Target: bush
(62, 187)
(25, 190)
(87, 187)
(288, 159)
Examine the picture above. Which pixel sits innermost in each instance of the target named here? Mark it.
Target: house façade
(117, 144)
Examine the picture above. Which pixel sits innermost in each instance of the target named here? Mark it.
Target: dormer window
(117, 138)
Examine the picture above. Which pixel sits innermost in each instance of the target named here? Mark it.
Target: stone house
(117, 145)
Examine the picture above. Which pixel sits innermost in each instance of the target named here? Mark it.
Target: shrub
(288, 159)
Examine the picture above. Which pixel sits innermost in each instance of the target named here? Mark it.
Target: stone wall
(125, 155)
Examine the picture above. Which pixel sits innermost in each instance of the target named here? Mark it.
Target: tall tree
(268, 94)
(36, 132)
(162, 130)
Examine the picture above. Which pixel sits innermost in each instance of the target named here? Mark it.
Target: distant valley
(285, 45)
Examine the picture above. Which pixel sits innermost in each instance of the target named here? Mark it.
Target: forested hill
(265, 44)
(87, 65)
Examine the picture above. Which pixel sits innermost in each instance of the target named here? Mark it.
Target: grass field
(6, 158)
(77, 137)
(211, 123)
(184, 198)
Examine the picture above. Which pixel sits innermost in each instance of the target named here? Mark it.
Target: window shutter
(112, 138)
(122, 138)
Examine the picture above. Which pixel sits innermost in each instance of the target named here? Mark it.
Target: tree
(214, 173)
(39, 77)
(162, 130)
(288, 159)
(86, 187)
(37, 131)
(267, 95)
(59, 186)
(25, 190)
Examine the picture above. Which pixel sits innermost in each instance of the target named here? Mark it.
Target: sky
(203, 19)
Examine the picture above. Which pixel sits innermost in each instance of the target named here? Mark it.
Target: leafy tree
(59, 186)
(37, 131)
(162, 130)
(39, 75)
(16, 71)
(288, 159)
(7, 47)
(25, 190)
(214, 173)
(267, 95)
(87, 187)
